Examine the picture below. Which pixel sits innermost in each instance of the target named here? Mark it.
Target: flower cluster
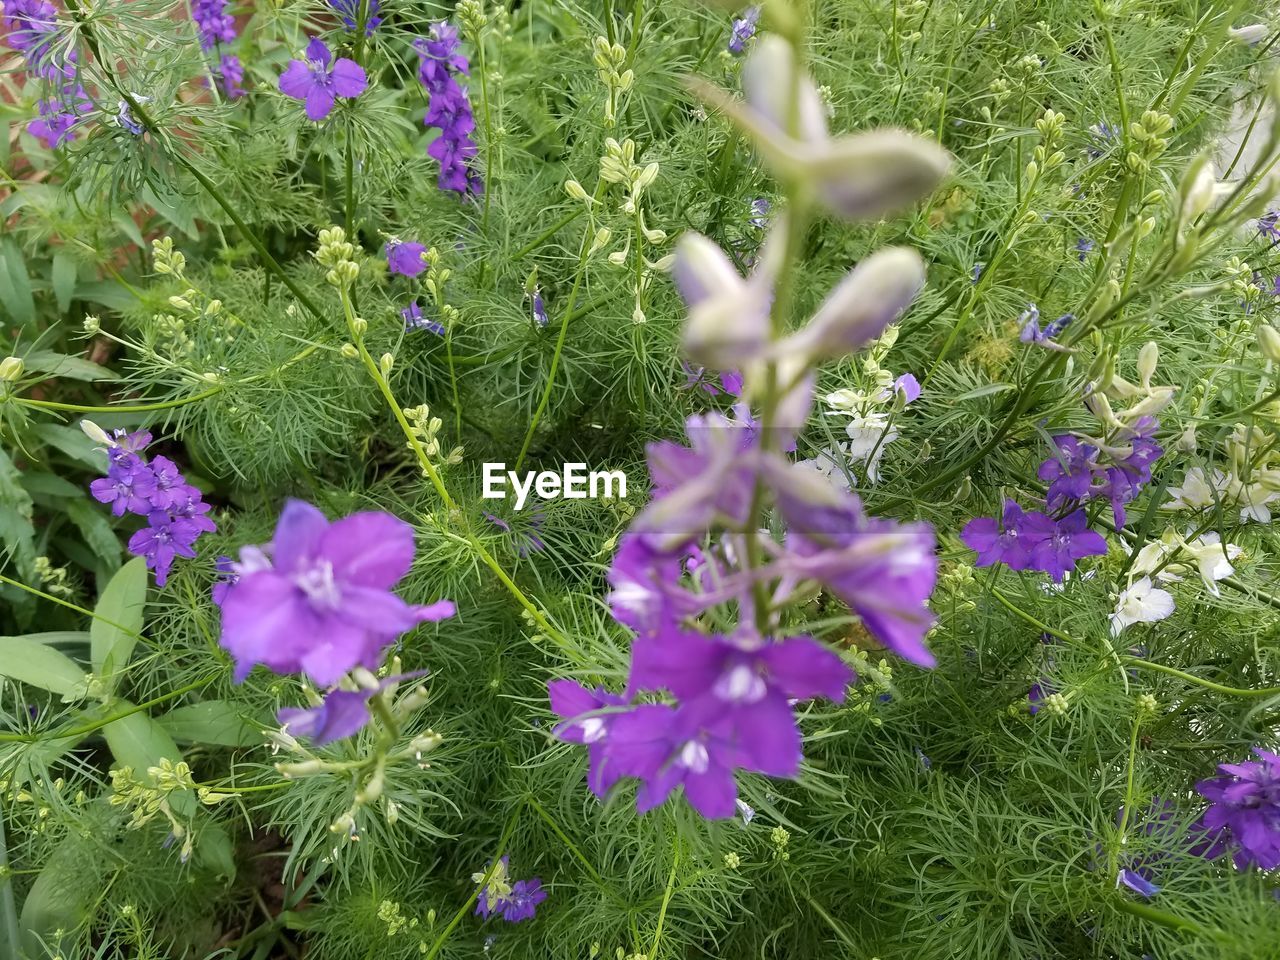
(319, 80)
(352, 10)
(1115, 467)
(317, 601)
(1243, 816)
(744, 28)
(32, 29)
(1030, 331)
(730, 693)
(155, 489)
(448, 108)
(512, 901)
(217, 28)
(1251, 481)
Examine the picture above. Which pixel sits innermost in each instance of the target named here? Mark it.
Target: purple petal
(369, 549)
(348, 78)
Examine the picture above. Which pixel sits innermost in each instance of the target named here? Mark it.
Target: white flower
(1196, 491)
(865, 434)
(1213, 559)
(831, 464)
(1141, 603)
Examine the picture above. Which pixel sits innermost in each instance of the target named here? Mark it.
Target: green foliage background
(1003, 843)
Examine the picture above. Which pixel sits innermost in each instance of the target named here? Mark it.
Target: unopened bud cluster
(610, 60)
(426, 429)
(335, 252)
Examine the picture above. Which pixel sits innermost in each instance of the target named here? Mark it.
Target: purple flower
(350, 11)
(119, 489)
(1069, 540)
(318, 83)
(513, 901)
(341, 714)
(229, 76)
(59, 116)
(213, 23)
(539, 308)
(128, 122)
(163, 485)
(322, 604)
(1244, 812)
(759, 213)
(1136, 881)
(33, 31)
(1102, 135)
(1070, 472)
(526, 540)
(1268, 225)
(586, 721)
(1031, 332)
(164, 539)
(414, 320)
(1083, 246)
(227, 578)
(405, 257)
(1009, 541)
(448, 109)
(908, 386)
(744, 28)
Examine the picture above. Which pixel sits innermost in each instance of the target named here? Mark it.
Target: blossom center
(319, 586)
(694, 757)
(740, 684)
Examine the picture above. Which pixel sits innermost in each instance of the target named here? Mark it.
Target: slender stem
(68, 604)
(112, 718)
(1018, 611)
(551, 231)
(583, 251)
(433, 475)
(1199, 681)
(124, 408)
(1161, 917)
(666, 901)
(475, 895)
(8, 910)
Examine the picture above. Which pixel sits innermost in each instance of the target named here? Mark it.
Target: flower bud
(385, 363)
(574, 189)
(1196, 190)
(349, 351)
(1269, 342)
(728, 318)
(863, 304)
(1148, 357)
(1253, 33)
(95, 433)
(11, 369)
(359, 325)
(601, 238)
(92, 324)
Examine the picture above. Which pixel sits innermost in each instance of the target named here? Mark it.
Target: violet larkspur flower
(1243, 816)
(1070, 472)
(512, 901)
(58, 117)
(322, 603)
(340, 714)
(744, 28)
(1069, 540)
(1083, 247)
(157, 490)
(538, 308)
(229, 76)
(319, 80)
(33, 31)
(1008, 541)
(448, 109)
(350, 11)
(213, 23)
(759, 213)
(404, 257)
(414, 320)
(1269, 225)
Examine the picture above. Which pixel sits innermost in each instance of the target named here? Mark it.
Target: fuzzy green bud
(1269, 342)
(11, 369)
(92, 324)
(574, 189)
(349, 351)
(386, 362)
(359, 325)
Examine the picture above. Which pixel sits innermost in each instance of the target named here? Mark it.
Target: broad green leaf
(17, 532)
(214, 849)
(60, 365)
(106, 294)
(64, 279)
(15, 284)
(29, 661)
(117, 621)
(39, 483)
(60, 638)
(94, 526)
(138, 742)
(218, 722)
(58, 901)
(72, 442)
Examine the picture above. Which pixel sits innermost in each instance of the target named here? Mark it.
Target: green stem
(546, 234)
(112, 718)
(1160, 917)
(130, 408)
(666, 901)
(8, 911)
(545, 399)
(1018, 611)
(1199, 681)
(68, 604)
(484, 882)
